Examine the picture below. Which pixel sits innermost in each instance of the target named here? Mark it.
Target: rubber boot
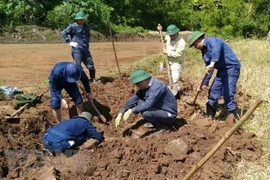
(210, 110)
(234, 112)
(231, 118)
(92, 73)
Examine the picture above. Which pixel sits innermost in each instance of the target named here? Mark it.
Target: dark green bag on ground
(22, 99)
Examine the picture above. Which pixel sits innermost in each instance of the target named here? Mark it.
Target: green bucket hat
(138, 76)
(194, 36)
(172, 29)
(80, 15)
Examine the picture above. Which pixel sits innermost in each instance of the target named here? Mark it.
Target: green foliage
(22, 12)
(229, 18)
(127, 29)
(64, 13)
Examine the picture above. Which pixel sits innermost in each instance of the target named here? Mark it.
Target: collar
(204, 45)
(176, 39)
(150, 82)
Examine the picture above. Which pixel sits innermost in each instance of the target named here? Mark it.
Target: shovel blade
(12, 120)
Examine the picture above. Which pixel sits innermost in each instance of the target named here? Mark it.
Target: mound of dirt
(169, 155)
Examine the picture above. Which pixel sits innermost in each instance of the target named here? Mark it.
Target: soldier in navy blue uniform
(64, 75)
(154, 100)
(79, 39)
(218, 55)
(70, 134)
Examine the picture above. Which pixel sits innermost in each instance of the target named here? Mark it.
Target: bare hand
(64, 103)
(200, 89)
(159, 27)
(89, 144)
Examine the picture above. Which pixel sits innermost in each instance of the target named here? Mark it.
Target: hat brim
(173, 32)
(196, 39)
(139, 79)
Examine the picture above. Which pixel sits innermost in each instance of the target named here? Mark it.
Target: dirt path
(123, 155)
(27, 65)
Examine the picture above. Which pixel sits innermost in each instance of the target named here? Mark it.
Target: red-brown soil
(169, 155)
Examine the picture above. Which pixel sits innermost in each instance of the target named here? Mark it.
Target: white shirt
(175, 49)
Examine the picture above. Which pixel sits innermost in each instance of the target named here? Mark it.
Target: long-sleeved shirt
(175, 49)
(157, 95)
(58, 82)
(77, 129)
(78, 34)
(216, 50)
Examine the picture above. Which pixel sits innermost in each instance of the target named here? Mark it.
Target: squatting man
(154, 100)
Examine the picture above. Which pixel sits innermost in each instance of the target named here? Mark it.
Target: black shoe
(178, 95)
(161, 128)
(93, 80)
(211, 110)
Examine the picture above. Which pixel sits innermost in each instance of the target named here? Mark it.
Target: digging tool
(116, 59)
(223, 140)
(193, 103)
(99, 114)
(167, 62)
(12, 116)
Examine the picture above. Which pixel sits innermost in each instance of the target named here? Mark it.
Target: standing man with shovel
(174, 50)
(218, 55)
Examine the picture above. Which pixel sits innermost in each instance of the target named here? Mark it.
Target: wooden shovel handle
(200, 88)
(222, 140)
(167, 62)
(18, 111)
(99, 114)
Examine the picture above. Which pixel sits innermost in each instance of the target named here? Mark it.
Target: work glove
(118, 119)
(127, 114)
(71, 143)
(209, 69)
(73, 44)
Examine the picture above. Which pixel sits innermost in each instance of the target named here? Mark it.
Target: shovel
(12, 116)
(193, 103)
(99, 114)
(167, 62)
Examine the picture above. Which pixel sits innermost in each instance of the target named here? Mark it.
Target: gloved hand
(127, 114)
(118, 119)
(73, 44)
(209, 69)
(71, 143)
